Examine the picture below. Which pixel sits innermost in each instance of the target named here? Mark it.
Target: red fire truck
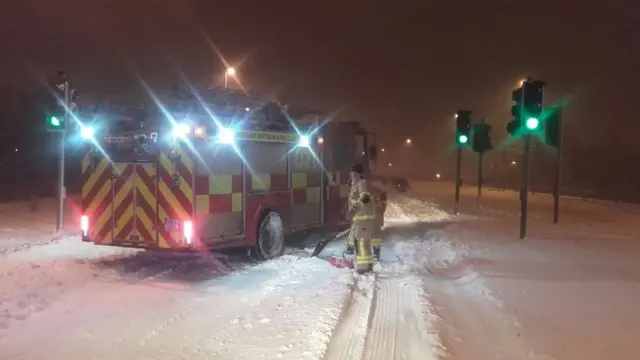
(235, 173)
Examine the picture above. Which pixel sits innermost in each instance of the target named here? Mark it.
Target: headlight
(86, 132)
(181, 129)
(303, 141)
(226, 136)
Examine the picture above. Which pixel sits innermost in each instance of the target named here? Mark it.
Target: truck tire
(270, 242)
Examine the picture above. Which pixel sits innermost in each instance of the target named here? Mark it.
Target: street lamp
(230, 72)
(408, 141)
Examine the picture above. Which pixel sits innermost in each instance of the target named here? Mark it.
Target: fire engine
(214, 169)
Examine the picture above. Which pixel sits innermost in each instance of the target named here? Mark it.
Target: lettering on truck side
(266, 136)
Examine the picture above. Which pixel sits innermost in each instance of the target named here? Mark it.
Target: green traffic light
(55, 121)
(532, 123)
(462, 139)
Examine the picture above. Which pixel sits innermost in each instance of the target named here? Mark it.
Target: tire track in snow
(399, 328)
(347, 340)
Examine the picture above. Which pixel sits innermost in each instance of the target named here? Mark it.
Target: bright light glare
(231, 71)
(84, 224)
(187, 231)
(463, 139)
(226, 136)
(320, 140)
(55, 121)
(532, 123)
(86, 132)
(303, 141)
(181, 129)
(438, 176)
(199, 131)
(408, 141)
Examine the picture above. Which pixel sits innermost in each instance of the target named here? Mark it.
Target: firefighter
(362, 212)
(376, 239)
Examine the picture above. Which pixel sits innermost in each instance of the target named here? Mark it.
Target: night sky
(402, 67)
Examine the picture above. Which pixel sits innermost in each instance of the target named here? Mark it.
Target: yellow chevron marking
(91, 181)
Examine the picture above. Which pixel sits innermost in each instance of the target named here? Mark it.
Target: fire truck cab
(238, 172)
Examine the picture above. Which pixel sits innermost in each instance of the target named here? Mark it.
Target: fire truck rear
(227, 176)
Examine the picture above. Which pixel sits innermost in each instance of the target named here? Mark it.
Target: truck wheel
(270, 243)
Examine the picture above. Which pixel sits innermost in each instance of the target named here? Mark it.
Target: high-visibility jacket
(362, 205)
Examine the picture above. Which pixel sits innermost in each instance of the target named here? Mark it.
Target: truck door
(135, 203)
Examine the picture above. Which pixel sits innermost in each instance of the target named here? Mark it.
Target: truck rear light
(84, 224)
(187, 231)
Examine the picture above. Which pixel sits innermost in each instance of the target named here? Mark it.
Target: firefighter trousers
(376, 239)
(364, 259)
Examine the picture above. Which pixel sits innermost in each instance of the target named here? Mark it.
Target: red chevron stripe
(146, 180)
(126, 203)
(125, 231)
(151, 213)
(86, 174)
(184, 172)
(102, 179)
(102, 233)
(180, 196)
(166, 206)
(144, 233)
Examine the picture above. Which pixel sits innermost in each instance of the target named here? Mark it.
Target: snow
(448, 287)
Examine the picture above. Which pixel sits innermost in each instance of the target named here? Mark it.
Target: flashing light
(84, 224)
(532, 123)
(462, 139)
(181, 130)
(199, 131)
(303, 141)
(187, 231)
(226, 136)
(86, 132)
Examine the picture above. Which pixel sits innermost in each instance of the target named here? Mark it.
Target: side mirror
(373, 153)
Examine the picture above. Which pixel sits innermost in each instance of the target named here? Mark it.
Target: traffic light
(55, 123)
(463, 127)
(553, 127)
(514, 127)
(481, 138)
(533, 94)
(55, 103)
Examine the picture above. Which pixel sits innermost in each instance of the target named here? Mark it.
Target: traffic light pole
(524, 187)
(556, 187)
(458, 180)
(61, 156)
(480, 156)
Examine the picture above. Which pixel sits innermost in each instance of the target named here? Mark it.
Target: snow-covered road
(75, 300)
(448, 288)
